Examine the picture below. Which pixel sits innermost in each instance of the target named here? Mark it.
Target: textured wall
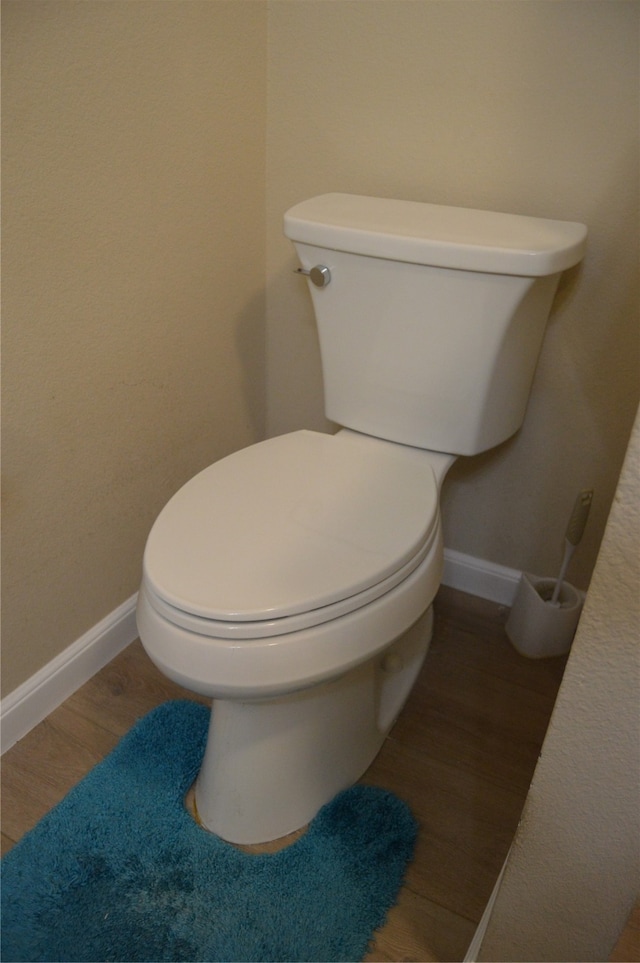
(574, 870)
(133, 270)
(523, 107)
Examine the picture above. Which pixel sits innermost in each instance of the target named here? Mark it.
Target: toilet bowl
(292, 581)
(290, 562)
(342, 537)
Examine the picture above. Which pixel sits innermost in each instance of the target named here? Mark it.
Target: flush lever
(319, 275)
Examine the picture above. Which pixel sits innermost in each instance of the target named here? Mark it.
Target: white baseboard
(31, 702)
(474, 946)
(497, 583)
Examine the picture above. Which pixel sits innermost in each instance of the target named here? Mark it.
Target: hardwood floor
(627, 949)
(462, 755)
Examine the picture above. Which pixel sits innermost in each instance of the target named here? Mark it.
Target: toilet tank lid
(436, 235)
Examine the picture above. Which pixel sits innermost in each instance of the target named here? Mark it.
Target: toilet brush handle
(569, 549)
(579, 516)
(573, 535)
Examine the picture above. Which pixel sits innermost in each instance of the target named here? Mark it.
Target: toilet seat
(291, 533)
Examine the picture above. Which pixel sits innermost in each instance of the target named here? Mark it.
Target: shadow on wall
(599, 369)
(250, 338)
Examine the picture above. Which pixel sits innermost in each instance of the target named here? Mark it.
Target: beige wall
(135, 188)
(573, 874)
(530, 107)
(133, 268)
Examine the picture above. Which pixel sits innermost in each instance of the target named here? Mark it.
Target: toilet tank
(432, 321)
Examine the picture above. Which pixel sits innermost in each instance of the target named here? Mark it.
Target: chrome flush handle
(319, 275)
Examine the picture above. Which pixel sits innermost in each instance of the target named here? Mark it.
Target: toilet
(292, 582)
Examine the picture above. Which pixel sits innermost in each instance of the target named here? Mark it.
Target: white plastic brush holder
(537, 628)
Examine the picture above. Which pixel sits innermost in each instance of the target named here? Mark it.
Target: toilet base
(270, 765)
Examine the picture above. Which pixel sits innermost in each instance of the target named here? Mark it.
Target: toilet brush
(575, 530)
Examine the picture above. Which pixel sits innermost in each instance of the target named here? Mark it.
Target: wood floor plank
(419, 931)
(461, 755)
(41, 769)
(466, 826)
(125, 690)
(471, 720)
(465, 620)
(627, 949)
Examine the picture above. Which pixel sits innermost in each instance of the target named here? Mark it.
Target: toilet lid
(290, 525)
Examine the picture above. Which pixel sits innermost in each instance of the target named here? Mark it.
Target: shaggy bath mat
(120, 871)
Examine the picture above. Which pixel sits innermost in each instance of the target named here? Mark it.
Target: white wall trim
(31, 702)
(475, 944)
(497, 583)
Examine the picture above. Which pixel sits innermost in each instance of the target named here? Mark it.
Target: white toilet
(292, 582)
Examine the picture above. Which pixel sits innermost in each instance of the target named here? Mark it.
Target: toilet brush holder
(539, 628)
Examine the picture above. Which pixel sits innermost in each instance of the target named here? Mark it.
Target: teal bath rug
(120, 871)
